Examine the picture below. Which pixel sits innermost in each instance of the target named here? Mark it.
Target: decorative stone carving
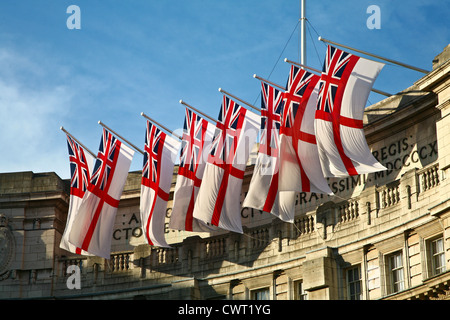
(7, 247)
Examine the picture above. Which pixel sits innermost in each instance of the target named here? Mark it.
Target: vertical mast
(303, 33)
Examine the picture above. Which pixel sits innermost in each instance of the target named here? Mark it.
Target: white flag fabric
(81, 164)
(218, 198)
(300, 168)
(159, 160)
(93, 227)
(345, 85)
(196, 143)
(263, 192)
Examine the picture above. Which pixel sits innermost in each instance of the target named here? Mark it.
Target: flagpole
(319, 72)
(376, 56)
(129, 143)
(303, 32)
(62, 129)
(196, 110)
(160, 125)
(229, 94)
(302, 65)
(269, 82)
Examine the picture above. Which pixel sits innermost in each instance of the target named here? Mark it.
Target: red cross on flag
(92, 229)
(300, 168)
(345, 85)
(81, 163)
(263, 193)
(195, 146)
(159, 157)
(217, 201)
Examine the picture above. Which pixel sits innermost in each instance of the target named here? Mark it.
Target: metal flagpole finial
(245, 102)
(128, 142)
(302, 65)
(64, 130)
(196, 110)
(269, 82)
(375, 56)
(160, 125)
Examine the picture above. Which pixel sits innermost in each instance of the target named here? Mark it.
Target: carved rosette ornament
(7, 246)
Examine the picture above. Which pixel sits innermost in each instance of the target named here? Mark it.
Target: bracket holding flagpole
(62, 129)
(243, 101)
(319, 72)
(128, 142)
(375, 56)
(196, 110)
(160, 125)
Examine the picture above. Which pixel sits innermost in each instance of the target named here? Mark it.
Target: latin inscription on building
(399, 153)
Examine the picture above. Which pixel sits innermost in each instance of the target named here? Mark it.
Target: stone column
(438, 81)
(320, 275)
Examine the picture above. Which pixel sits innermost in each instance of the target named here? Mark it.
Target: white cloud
(30, 115)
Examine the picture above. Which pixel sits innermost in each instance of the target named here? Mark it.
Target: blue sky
(144, 56)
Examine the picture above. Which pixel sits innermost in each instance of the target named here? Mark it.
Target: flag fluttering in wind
(300, 168)
(195, 146)
(263, 193)
(218, 198)
(311, 131)
(345, 85)
(92, 229)
(81, 164)
(160, 153)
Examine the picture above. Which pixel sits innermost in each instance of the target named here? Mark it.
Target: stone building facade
(382, 236)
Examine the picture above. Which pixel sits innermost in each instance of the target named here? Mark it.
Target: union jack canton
(271, 111)
(154, 142)
(192, 144)
(79, 169)
(228, 130)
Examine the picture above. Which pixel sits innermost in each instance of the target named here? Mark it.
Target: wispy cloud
(29, 113)
(139, 56)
